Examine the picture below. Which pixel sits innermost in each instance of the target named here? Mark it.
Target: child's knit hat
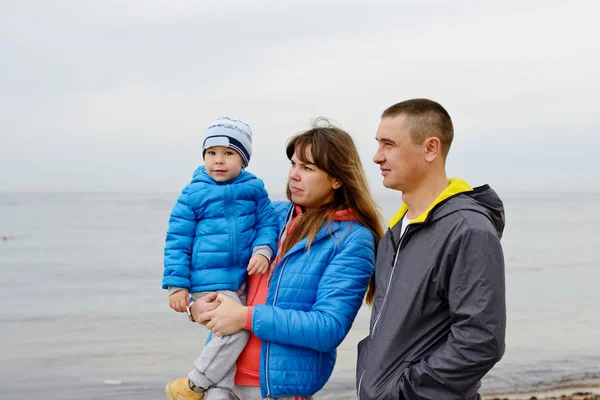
(231, 133)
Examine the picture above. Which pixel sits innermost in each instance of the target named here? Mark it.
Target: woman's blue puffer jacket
(312, 301)
(213, 229)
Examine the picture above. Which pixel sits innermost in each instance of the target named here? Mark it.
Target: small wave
(40, 318)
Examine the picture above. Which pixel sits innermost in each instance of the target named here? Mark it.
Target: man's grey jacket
(439, 316)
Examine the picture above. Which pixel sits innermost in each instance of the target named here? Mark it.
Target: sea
(83, 315)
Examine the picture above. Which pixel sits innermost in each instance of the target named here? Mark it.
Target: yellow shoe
(180, 390)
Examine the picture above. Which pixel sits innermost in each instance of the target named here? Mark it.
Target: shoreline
(583, 387)
(568, 389)
(586, 389)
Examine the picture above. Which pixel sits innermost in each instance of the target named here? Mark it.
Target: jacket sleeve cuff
(248, 323)
(173, 289)
(263, 251)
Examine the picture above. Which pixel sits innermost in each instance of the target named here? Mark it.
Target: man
(439, 315)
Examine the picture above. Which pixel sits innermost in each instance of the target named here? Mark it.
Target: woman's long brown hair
(332, 150)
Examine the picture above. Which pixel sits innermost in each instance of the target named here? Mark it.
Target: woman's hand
(201, 306)
(228, 318)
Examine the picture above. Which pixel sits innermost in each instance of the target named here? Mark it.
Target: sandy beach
(588, 390)
(554, 395)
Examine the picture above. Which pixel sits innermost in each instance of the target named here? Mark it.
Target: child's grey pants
(215, 367)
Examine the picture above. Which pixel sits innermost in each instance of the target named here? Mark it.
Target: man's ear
(432, 148)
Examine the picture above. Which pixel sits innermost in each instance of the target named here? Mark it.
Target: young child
(221, 229)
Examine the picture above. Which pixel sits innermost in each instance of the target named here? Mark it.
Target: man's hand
(258, 265)
(179, 300)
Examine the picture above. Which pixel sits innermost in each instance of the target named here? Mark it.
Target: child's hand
(179, 300)
(258, 265)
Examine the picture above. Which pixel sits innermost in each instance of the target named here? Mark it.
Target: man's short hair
(425, 118)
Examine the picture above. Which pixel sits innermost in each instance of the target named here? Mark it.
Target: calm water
(82, 314)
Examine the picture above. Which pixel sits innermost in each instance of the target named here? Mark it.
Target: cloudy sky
(114, 95)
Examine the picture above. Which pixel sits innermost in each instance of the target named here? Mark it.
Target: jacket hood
(460, 196)
(484, 200)
(345, 215)
(200, 175)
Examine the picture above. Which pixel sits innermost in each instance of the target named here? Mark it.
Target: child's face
(223, 163)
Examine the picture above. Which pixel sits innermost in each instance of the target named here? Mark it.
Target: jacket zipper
(387, 289)
(360, 381)
(290, 215)
(383, 302)
(269, 343)
(232, 230)
(288, 218)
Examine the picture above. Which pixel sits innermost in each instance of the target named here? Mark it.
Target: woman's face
(310, 186)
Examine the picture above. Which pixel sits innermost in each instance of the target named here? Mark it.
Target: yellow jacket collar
(456, 186)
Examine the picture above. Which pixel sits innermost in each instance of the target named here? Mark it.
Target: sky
(115, 95)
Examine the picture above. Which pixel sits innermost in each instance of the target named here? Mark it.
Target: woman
(300, 311)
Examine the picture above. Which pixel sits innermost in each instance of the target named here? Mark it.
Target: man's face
(401, 162)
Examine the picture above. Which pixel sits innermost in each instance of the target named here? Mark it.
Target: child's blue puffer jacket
(212, 231)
